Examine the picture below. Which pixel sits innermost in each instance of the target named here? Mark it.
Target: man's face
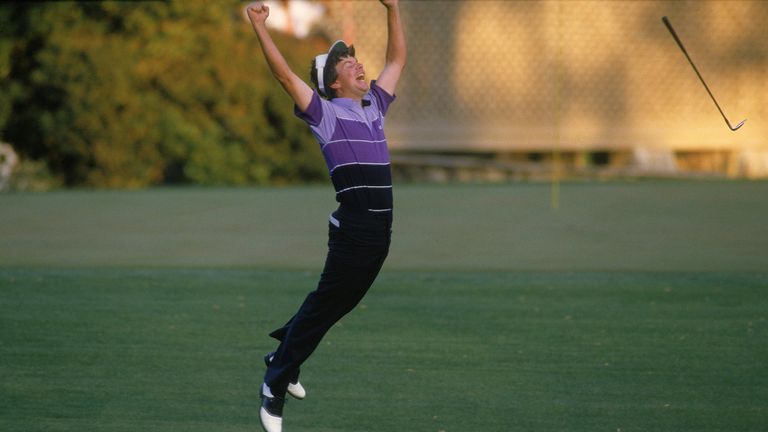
(350, 79)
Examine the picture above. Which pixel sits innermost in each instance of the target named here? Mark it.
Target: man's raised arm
(299, 91)
(396, 51)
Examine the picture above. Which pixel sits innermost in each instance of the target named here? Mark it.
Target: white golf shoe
(271, 411)
(295, 388)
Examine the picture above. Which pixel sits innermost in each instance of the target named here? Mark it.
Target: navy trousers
(358, 243)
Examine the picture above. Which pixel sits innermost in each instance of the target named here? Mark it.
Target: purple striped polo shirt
(351, 137)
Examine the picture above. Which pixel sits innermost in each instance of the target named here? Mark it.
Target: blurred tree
(123, 94)
(7, 89)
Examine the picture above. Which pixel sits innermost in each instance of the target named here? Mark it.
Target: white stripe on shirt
(366, 121)
(352, 140)
(364, 186)
(357, 163)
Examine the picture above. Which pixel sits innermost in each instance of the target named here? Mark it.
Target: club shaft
(682, 48)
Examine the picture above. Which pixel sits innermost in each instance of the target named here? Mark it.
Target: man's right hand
(299, 91)
(257, 13)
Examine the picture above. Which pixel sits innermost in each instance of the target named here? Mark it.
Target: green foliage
(6, 45)
(120, 94)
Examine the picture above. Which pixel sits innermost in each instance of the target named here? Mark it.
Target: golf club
(680, 44)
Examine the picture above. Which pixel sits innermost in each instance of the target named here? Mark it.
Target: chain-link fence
(509, 76)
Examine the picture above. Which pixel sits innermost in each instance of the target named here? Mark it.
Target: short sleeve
(383, 99)
(320, 116)
(314, 113)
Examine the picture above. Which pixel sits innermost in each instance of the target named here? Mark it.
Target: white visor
(320, 62)
(320, 66)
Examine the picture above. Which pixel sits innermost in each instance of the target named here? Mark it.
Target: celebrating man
(346, 114)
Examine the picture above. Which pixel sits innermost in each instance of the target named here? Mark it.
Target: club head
(737, 126)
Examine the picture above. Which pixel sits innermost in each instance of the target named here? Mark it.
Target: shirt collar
(350, 103)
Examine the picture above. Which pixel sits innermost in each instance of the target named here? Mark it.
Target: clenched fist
(257, 13)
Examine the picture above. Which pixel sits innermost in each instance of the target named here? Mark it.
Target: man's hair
(329, 71)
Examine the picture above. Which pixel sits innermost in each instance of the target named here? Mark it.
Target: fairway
(665, 226)
(633, 307)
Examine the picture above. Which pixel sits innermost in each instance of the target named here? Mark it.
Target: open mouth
(360, 77)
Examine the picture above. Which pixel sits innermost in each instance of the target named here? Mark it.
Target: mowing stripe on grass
(688, 226)
(180, 349)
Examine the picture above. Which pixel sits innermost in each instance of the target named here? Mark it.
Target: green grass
(634, 307)
(687, 226)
